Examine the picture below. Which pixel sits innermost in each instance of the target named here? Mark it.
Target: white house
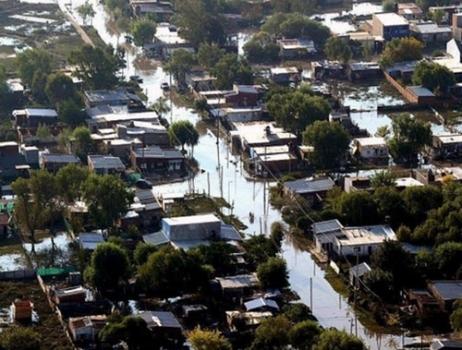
(369, 148)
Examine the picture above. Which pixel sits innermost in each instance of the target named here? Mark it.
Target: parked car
(143, 184)
(136, 78)
(165, 86)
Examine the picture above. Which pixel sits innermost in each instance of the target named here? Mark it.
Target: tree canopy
(337, 49)
(202, 339)
(330, 142)
(130, 329)
(399, 50)
(20, 338)
(339, 340)
(143, 31)
(261, 48)
(33, 64)
(82, 142)
(434, 77)
(59, 88)
(230, 69)
(273, 274)
(183, 133)
(180, 64)
(209, 54)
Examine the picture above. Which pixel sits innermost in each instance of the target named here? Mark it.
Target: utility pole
(355, 296)
(208, 183)
(311, 294)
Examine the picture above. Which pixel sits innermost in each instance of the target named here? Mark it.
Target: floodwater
(50, 251)
(12, 262)
(222, 175)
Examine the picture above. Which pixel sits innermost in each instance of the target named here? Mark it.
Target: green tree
(449, 258)
(202, 339)
(216, 255)
(390, 205)
(142, 252)
(277, 232)
(337, 49)
(143, 31)
(303, 335)
(32, 63)
(383, 179)
(389, 5)
(37, 87)
(399, 50)
(297, 313)
(456, 317)
(179, 65)
(200, 22)
(294, 111)
(273, 273)
(43, 133)
(381, 283)
(259, 248)
(339, 340)
(330, 142)
(70, 112)
(109, 267)
(419, 200)
(107, 198)
(229, 70)
(209, 54)
(356, 208)
(59, 87)
(97, 67)
(161, 107)
(82, 142)
(20, 338)
(170, 271)
(6, 97)
(86, 11)
(132, 330)
(434, 77)
(70, 179)
(261, 48)
(183, 133)
(272, 334)
(437, 16)
(410, 136)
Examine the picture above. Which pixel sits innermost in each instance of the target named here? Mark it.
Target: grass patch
(49, 328)
(336, 282)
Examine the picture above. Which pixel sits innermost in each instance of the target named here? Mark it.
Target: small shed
(357, 272)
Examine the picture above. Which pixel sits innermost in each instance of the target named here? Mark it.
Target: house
(261, 305)
(104, 165)
(327, 69)
(148, 208)
(243, 96)
(110, 118)
(448, 11)
(430, 32)
(298, 48)
(260, 134)
(86, 329)
(370, 148)
(361, 39)
(272, 159)
(332, 238)
(389, 25)
(238, 284)
(148, 133)
(445, 344)
(356, 183)
(76, 294)
(31, 118)
(90, 240)
(409, 11)
(363, 71)
(403, 182)
(162, 323)
(21, 310)
(160, 10)
(189, 231)
(446, 146)
(285, 75)
(118, 97)
(166, 40)
(153, 159)
(457, 26)
(55, 161)
(12, 162)
(446, 292)
(453, 60)
(311, 189)
(120, 147)
(423, 302)
(402, 70)
(357, 272)
(238, 115)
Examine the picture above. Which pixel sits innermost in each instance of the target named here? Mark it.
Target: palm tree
(161, 107)
(86, 11)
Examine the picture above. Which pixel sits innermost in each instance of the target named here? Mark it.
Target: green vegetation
(143, 31)
(202, 339)
(183, 133)
(273, 274)
(261, 48)
(399, 50)
(337, 49)
(19, 338)
(434, 77)
(231, 70)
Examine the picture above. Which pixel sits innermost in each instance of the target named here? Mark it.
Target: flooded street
(227, 179)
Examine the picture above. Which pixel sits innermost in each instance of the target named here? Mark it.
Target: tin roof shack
(104, 165)
(166, 41)
(85, 330)
(447, 146)
(147, 207)
(272, 160)
(21, 310)
(110, 118)
(261, 305)
(12, 162)
(238, 115)
(241, 321)
(327, 69)
(356, 183)
(118, 97)
(363, 71)
(402, 70)
(238, 285)
(423, 303)
(164, 324)
(362, 39)
(31, 118)
(445, 344)
(312, 189)
(457, 26)
(120, 148)
(430, 32)
(76, 294)
(90, 240)
(54, 161)
(148, 132)
(446, 292)
(389, 25)
(154, 159)
(161, 10)
(299, 48)
(370, 148)
(357, 272)
(409, 11)
(260, 134)
(285, 75)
